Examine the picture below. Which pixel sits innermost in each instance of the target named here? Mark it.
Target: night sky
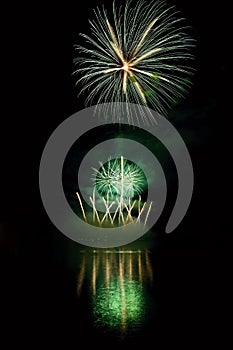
(39, 93)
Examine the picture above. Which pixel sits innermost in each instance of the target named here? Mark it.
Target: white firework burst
(140, 55)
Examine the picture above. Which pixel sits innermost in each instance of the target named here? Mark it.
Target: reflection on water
(119, 284)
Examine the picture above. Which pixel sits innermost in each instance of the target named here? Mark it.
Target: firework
(119, 179)
(119, 184)
(121, 215)
(141, 54)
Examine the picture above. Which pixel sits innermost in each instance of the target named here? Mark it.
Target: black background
(38, 94)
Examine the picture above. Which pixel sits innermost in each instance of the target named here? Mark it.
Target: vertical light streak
(94, 275)
(81, 275)
(140, 266)
(122, 290)
(149, 266)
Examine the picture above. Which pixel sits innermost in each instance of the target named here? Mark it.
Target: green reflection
(119, 305)
(119, 284)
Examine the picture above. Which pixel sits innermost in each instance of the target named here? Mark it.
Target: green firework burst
(119, 179)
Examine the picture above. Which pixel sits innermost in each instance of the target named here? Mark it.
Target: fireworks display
(118, 178)
(119, 184)
(139, 54)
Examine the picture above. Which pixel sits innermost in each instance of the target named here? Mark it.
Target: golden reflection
(94, 275)
(81, 275)
(140, 266)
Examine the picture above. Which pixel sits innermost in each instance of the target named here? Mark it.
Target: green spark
(118, 178)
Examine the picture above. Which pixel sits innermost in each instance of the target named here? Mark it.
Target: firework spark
(121, 215)
(140, 55)
(118, 182)
(119, 179)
